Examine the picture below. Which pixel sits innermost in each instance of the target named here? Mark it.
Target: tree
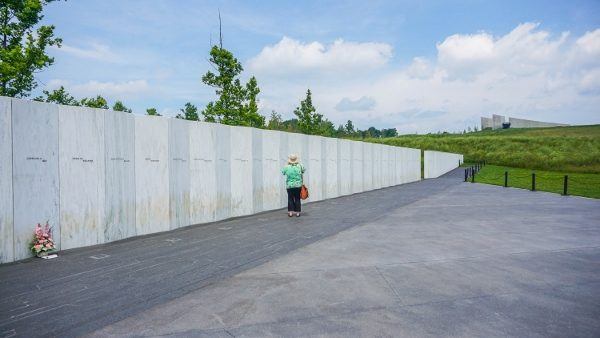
(309, 120)
(236, 104)
(326, 128)
(374, 132)
(291, 125)
(23, 49)
(349, 128)
(190, 112)
(58, 96)
(152, 112)
(250, 108)
(275, 121)
(119, 106)
(391, 132)
(95, 102)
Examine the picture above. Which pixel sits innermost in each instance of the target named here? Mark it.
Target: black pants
(294, 199)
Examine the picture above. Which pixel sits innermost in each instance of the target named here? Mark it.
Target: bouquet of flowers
(42, 242)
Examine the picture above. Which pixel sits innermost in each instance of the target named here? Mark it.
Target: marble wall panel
(357, 167)
(316, 178)
(35, 171)
(82, 176)
(203, 172)
(6, 187)
(119, 144)
(152, 174)
(273, 186)
(179, 172)
(241, 171)
(223, 155)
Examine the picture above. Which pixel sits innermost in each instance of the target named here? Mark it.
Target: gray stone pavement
(433, 258)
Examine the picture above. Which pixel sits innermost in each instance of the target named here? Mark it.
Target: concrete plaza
(433, 258)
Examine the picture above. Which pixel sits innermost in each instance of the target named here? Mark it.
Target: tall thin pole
(220, 31)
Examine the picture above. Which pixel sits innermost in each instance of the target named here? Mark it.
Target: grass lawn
(573, 149)
(579, 184)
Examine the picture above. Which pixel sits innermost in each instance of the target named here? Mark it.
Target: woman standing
(293, 181)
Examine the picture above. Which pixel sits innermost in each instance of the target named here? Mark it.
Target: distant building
(499, 122)
(486, 123)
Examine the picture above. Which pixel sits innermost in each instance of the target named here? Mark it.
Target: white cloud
(590, 82)
(589, 43)
(527, 72)
(95, 51)
(361, 104)
(292, 56)
(420, 68)
(524, 50)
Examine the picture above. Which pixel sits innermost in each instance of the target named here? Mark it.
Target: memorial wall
(437, 163)
(99, 176)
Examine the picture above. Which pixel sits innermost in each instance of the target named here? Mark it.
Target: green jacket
(293, 175)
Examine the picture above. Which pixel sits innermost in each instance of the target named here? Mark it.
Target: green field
(567, 149)
(551, 153)
(579, 184)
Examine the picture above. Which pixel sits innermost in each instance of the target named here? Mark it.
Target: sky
(418, 66)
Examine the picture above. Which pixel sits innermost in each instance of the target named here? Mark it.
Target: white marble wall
(273, 186)
(258, 135)
(368, 166)
(82, 176)
(203, 172)
(332, 160)
(6, 190)
(179, 173)
(357, 167)
(119, 203)
(345, 167)
(377, 183)
(35, 171)
(283, 157)
(223, 171)
(241, 172)
(123, 175)
(315, 178)
(437, 163)
(151, 174)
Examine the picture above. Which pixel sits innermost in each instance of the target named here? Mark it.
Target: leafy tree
(349, 128)
(309, 120)
(189, 112)
(23, 49)
(275, 121)
(94, 102)
(119, 106)
(391, 132)
(341, 131)
(374, 132)
(58, 96)
(236, 104)
(152, 112)
(326, 128)
(291, 125)
(250, 108)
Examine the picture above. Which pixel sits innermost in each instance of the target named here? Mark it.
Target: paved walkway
(432, 258)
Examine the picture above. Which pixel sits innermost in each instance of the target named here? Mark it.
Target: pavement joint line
(394, 291)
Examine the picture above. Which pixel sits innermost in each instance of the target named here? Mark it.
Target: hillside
(569, 149)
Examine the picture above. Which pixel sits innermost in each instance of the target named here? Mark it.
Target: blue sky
(418, 66)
